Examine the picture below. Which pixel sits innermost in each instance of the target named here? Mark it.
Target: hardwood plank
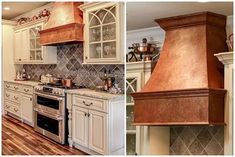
(20, 139)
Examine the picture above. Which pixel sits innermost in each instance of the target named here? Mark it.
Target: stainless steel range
(50, 112)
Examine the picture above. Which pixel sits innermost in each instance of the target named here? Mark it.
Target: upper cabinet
(27, 47)
(104, 27)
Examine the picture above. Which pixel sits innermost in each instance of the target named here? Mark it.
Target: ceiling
(18, 8)
(142, 14)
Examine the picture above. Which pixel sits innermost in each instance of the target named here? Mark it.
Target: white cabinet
(142, 140)
(27, 107)
(27, 45)
(97, 131)
(80, 126)
(96, 123)
(18, 101)
(103, 32)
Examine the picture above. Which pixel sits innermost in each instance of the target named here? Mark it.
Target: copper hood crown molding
(186, 86)
(65, 24)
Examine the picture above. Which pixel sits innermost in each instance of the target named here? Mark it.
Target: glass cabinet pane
(95, 50)
(131, 86)
(32, 54)
(94, 34)
(130, 118)
(130, 144)
(109, 50)
(38, 46)
(32, 44)
(109, 32)
(110, 15)
(39, 55)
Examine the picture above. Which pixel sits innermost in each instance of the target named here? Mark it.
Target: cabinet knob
(88, 114)
(7, 95)
(26, 90)
(8, 106)
(85, 114)
(15, 109)
(15, 88)
(86, 57)
(7, 86)
(19, 59)
(16, 98)
(30, 99)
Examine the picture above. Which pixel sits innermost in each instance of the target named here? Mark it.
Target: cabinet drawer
(12, 96)
(14, 108)
(26, 89)
(12, 86)
(90, 103)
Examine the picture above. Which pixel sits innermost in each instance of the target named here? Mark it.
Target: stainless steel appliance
(50, 112)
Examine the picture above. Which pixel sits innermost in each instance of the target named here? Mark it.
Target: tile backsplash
(197, 140)
(69, 65)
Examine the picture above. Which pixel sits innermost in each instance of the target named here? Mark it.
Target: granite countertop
(29, 83)
(95, 94)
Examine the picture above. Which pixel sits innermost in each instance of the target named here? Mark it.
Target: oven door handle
(49, 96)
(47, 115)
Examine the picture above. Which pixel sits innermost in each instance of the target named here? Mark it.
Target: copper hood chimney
(65, 24)
(186, 86)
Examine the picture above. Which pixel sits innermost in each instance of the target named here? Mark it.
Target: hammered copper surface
(64, 25)
(186, 63)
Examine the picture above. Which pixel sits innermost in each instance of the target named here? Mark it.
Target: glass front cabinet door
(103, 32)
(35, 49)
(133, 84)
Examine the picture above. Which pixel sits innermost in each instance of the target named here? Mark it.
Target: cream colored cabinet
(18, 101)
(97, 131)
(96, 122)
(27, 107)
(103, 32)
(142, 140)
(80, 126)
(27, 45)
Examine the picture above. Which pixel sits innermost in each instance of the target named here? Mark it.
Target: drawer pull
(26, 90)
(85, 114)
(16, 88)
(16, 98)
(87, 104)
(7, 86)
(8, 106)
(15, 109)
(88, 114)
(7, 95)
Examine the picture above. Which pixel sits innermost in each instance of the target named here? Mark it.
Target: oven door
(51, 127)
(50, 104)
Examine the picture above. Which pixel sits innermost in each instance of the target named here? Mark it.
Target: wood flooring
(21, 139)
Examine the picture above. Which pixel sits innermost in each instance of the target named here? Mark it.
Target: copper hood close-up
(65, 24)
(186, 86)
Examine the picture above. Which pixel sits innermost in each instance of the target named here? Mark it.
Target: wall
(69, 65)
(184, 139)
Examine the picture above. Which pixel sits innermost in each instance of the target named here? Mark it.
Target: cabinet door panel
(98, 131)
(27, 107)
(25, 45)
(80, 126)
(17, 46)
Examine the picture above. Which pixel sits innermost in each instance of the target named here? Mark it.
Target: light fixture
(6, 8)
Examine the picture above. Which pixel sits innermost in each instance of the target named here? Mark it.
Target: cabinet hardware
(19, 59)
(87, 104)
(7, 95)
(86, 57)
(85, 114)
(16, 98)
(15, 109)
(26, 90)
(15, 88)
(8, 106)
(30, 99)
(88, 114)
(7, 86)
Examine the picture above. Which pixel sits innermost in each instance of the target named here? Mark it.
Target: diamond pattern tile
(197, 140)
(69, 64)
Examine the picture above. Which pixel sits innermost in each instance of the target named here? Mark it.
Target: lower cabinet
(96, 125)
(18, 101)
(89, 129)
(80, 126)
(97, 131)
(27, 107)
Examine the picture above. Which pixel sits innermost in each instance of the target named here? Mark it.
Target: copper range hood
(65, 24)
(186, 86)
